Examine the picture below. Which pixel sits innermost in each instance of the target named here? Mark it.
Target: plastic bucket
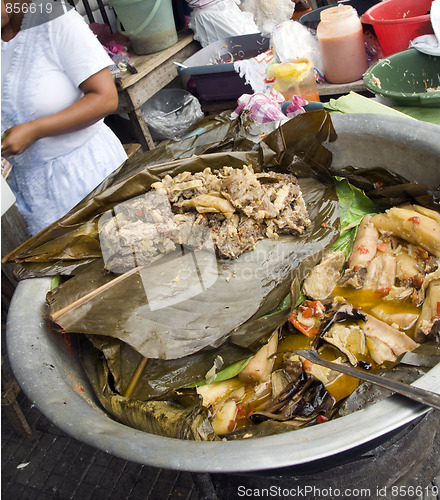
(148, 23)
(397, 22)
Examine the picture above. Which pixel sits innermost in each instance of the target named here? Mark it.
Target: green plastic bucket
(148, 23)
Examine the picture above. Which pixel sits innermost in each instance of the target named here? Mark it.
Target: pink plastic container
(397, 22)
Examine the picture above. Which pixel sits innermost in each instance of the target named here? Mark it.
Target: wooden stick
(135, 377)
(57, 315)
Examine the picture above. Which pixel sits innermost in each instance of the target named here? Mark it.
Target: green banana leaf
(388, 188)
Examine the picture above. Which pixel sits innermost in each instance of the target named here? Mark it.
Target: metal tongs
(415, 393)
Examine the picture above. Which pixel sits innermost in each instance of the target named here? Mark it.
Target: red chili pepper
(382, 247)
(241, 411)
(415, 219)
(321, 419)
(308, 332)
(307, 312)
(316, 307)
(363, 250)
(383, 291)
(416, 281)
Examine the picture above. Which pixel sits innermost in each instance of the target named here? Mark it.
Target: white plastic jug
(148, 23)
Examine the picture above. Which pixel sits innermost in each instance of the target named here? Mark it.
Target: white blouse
(42, 67)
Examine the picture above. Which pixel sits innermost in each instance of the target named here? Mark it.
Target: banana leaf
(28, 270)
(180, 416)
(390, 189)
(160, 377)
(75, 235)
(100, 303)
(142, 307)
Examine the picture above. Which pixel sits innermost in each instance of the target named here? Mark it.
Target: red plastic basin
(397, 22)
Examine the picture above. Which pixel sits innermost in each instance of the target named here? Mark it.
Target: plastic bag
(170, 113)
(215, 21)
(269, 13)
(430, 44)
(254, 70)
(294, 78)
(268, 106)
(262, 107)
(291, 40)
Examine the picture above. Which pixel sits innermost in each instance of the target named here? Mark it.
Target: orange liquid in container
(342, 44)
(294, 78)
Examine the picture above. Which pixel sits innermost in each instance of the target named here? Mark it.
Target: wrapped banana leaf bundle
(161, 308)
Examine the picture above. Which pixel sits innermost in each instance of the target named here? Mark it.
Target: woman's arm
(100, 99)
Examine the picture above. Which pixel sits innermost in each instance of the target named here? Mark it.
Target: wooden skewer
(57, 315)
(135, 377)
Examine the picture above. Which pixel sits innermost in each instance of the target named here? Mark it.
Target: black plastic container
(311, 19)
(212, 68)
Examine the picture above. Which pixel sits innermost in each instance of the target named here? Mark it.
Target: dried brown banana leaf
(141, 307)
(160, 377)
(74, 236)
(180, 416)
(122, 306)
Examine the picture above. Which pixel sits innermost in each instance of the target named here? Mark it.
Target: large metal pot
(52, 376)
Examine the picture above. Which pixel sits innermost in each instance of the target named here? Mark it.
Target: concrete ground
(50, 465)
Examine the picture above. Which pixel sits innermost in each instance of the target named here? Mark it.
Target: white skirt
(47, 191)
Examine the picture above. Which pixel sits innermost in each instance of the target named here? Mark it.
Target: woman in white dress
(56, 90)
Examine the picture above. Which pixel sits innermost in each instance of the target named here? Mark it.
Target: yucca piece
(411, 226)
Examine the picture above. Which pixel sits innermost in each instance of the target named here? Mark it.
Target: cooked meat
(193, 231)
(407, 265)
(259, 200)
(430, 311)
(400, 319)
(237, 235)
(184, 185)
(231, 209)
(364, 251)
(381, 273)
(349, 339)
(323, 278)
(141, 229)
(365, 244)
(260, 366)
(411, 226)
(378, 331)
(206, 203)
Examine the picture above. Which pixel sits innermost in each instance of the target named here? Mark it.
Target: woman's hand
(100, 99)
(18, 138)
